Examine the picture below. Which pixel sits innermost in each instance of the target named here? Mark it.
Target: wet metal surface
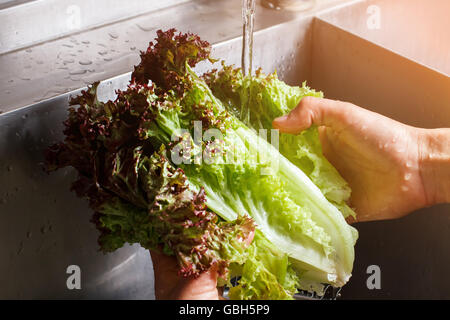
(64, 64)
(45, 227)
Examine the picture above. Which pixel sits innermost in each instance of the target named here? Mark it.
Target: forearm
(434, 156)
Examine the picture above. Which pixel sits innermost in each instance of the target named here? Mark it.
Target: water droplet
(24, 116)
(103, 52)
(11, 81)
(407, 176)
(24, 78)
(394, 140)
(9, 168)
(132, 48)
(43, 229)
(29, 234)
(85, 42)
(107, 59)
(113, 35)
(77, 72)
(408, 164)
(80, 51)
(20, 247)
(145, 28)
(405, 188)
(85, 62)
(68, 61)
(39, 62)
(386, 145)
(28, 50)
(68, 45)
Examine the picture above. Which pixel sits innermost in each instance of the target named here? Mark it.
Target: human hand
(379, 157)
(169, 285)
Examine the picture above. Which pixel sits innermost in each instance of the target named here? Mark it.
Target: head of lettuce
(187, 165)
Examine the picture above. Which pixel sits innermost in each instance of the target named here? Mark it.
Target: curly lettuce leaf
(287, 207)
(200, 212)
(137, 195)
(265, 97)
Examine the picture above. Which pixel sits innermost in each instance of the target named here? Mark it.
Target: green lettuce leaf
(153, 177)
(265, 97)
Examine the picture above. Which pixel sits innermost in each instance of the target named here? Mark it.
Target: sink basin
(415, 29)
(46, 228)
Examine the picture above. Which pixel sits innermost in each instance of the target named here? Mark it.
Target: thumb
(310, 110)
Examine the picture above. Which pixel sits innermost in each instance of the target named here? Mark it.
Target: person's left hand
(169, 285)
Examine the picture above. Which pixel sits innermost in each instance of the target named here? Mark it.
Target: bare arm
(435, 164)
(391, 167)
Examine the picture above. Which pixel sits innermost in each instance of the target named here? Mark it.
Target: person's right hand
(379, 157)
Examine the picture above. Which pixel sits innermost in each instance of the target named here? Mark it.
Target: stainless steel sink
(46, 228)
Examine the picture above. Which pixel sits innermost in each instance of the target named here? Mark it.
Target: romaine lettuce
(150, 179)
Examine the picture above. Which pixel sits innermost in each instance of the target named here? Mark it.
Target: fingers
(165, 269)
(162, 261)
(310, 110)
(204, 287)
(351, 220)
(169, 285)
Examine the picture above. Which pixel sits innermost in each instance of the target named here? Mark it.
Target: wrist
(434, 164)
